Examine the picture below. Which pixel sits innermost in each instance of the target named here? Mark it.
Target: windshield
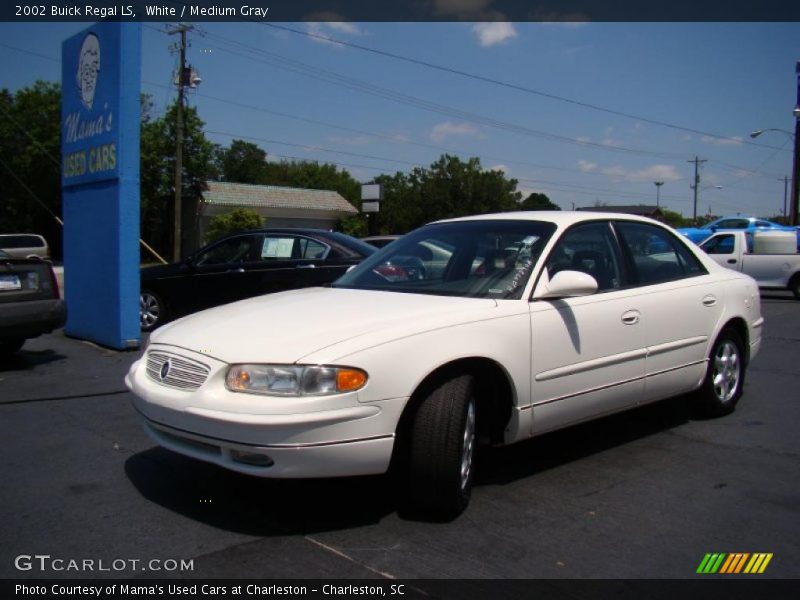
(474, 259)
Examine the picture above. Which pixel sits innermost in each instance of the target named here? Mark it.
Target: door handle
(239, 270)
(631, 317)
(731, 261)
(709, 300)
(311, 266)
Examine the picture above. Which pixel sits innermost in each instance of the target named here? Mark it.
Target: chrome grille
(183, 374)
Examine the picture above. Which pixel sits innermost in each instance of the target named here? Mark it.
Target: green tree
(450, 187)
(30, 147)
(675, 219)
(238, 219)
(242, 162)
(157, 173)
(538, 201)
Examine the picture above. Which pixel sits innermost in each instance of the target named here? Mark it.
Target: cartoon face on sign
(88, 68)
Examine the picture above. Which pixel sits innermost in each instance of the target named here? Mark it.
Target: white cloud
(584, 139)
(586, 166)
(502, 168)
(612, 143)
(490, 34)
(652, 173)
(322, 30)
(731, 141)
(448, 128)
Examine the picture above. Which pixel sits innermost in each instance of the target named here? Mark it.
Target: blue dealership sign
(100, 114)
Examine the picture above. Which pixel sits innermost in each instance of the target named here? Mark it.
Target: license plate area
(10, 282)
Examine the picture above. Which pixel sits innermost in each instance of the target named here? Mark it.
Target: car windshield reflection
(487, 259)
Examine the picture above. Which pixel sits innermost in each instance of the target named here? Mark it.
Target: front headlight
(294, 380)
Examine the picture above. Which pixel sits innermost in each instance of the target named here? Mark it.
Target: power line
(505, 84)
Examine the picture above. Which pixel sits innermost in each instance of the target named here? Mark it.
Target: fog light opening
(251, 458)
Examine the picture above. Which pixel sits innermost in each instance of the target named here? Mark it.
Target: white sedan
(489, 329)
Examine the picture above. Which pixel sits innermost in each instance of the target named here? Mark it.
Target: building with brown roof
(279, 206)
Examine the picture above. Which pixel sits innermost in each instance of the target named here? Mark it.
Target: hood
(158, 271)
(286, 326)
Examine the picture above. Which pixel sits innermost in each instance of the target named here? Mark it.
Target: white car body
(545, 363)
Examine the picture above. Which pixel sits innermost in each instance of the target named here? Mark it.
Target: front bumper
(326, 436)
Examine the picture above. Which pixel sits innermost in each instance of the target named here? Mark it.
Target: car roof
(562, 218)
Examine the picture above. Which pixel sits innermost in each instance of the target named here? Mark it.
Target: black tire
(8, 347)
(794, 287)
(152, 310)
(442, 449)
(725, 374)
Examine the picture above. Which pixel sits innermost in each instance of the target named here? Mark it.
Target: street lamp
(796, 161)
(658, 185)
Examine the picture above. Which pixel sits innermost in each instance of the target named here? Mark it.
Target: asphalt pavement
(643, 494)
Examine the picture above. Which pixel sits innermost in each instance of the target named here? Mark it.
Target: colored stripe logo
(734, 563)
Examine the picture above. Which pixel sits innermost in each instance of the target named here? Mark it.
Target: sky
(586, 113)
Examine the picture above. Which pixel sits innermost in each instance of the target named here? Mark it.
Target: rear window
(21, 241)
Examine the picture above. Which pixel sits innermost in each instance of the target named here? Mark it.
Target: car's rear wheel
(152, 311)
(794, 286)
(724, 380)
(10, 346)
(443, 448)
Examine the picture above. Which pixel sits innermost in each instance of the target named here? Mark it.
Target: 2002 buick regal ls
(493, 328)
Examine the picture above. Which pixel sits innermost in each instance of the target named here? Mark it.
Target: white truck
(769, 257)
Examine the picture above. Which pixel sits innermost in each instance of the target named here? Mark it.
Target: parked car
(751, 224)
(379, 241)
(30, 304)
(769, 257)
(245, 264)
(537, 321)
(24, 245)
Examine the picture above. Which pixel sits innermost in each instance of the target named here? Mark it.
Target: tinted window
(231, 250)
(733, 223)
(591, 249)
(312, 249)
(656, 255)
(21, 241)
(478, 259)
(723, 244)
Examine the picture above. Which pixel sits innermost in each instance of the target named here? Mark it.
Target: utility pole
(697, 162)
(796, 162)
(182, 82)
(785, 181)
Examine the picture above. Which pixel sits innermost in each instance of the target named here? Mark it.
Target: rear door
(681, 304)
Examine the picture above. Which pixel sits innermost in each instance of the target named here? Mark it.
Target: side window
(733, 224)
(312, 249)
(722, 244)
(279, 247)
(656, 256)
(233, 250)
(589, 248)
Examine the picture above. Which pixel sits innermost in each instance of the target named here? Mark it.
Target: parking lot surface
(643, 494)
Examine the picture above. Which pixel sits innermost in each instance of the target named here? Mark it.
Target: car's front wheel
(794, 286)
(152, 311)
(10, 346)
(724, 380)
(443, 448)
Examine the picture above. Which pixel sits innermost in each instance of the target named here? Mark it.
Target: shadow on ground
(264, 507)
(25, 360)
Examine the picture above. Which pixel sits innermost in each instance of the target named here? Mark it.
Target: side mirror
(713, 228)
(565, 284)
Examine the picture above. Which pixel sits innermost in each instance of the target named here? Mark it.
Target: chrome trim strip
(589, 365)
(611, 385)
(676, 345)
